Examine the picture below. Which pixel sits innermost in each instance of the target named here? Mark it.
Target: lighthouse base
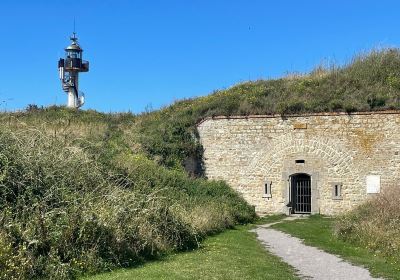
(73, 101)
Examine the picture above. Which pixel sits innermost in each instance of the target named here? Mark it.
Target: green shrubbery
(64, 211)
(375, 225)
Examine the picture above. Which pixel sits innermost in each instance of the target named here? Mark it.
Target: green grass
(269, 219)
(233, 254)
(90, 204)
(318, 231)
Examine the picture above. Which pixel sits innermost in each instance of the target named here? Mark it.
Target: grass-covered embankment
(234, 254)
(75, 198)
(375, 225)
(369, 82)
(319, 231)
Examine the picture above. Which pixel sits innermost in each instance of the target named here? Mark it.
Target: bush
(374, 224)
(64, 212)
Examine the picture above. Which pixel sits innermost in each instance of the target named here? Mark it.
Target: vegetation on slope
(375, 225)
(76, 196)
(368, 82)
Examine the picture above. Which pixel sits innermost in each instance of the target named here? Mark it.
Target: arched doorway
(300, 193)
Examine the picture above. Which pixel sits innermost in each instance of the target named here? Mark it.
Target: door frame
(293, 194)
(286, 177)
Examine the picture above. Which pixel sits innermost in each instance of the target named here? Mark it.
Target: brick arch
(268, 157)
(277, 158)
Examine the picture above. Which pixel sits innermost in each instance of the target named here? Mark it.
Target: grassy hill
(369, 82)
(82, 191)
(78, 195)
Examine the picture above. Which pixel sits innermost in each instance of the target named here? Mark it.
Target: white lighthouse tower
(69, 68)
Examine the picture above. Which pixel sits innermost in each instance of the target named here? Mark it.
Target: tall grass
(65, 212)
(375, 225)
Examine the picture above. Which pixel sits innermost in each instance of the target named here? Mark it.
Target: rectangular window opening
(267, 189)
(337, 191)
(300, 161)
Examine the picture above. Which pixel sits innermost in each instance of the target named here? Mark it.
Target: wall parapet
(281, 116)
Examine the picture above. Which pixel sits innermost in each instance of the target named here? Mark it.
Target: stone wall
(336, 148)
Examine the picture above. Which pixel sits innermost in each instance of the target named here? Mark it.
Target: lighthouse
(69, 68)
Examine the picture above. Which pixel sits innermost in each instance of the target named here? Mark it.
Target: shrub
(375, 224)
(65, 212)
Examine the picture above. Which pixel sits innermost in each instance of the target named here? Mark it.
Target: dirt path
(310, 262)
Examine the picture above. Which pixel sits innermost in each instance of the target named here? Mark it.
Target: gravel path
(310, 262)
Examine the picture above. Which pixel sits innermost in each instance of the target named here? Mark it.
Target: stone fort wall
(337, 148)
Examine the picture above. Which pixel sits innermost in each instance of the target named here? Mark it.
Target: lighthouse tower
(69, 68)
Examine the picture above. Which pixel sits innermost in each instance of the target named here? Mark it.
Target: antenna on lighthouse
(69, 68)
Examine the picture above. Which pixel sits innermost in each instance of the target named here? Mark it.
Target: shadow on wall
(194, 166)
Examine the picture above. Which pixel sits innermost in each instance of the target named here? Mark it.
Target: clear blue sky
(150, 53)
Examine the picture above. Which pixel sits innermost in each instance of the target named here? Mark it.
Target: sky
(147, 54)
